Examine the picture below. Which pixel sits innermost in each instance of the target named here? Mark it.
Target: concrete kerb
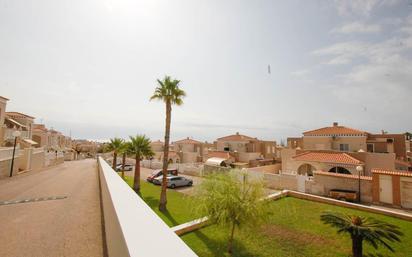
(203, 222)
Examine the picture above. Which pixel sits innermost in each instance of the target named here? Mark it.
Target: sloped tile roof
(335, 131)
(157, 142)
(19, 114)
(187, 141)
(237, 137)
(218, 154)
(393, 172)
(341, 158)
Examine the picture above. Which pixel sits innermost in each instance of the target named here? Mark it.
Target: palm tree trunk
(136, 182)
(163, 199)
(230, 244)
(114, 160)
(123, 163)
(357, 249)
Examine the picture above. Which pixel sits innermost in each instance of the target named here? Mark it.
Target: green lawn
(178, 204)
(294, 229)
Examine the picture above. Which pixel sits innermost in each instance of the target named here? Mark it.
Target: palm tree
(231, 202)
(140, 147)
(361, 229)
(169, 92)
(123, 151)
(116, 144)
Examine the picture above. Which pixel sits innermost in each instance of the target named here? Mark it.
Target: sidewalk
(58, 213)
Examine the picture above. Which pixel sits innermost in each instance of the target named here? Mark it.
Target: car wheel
(190, 184)
(172, 186)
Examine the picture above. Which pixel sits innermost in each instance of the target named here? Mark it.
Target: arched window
(306, 169)
(340, 170)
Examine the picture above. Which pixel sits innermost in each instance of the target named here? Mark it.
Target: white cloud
(300, 73)
(343, 52)
(360, 7)
(357, 27)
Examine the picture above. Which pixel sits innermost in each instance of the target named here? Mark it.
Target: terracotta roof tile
(187, 141)
(335, 130)
(19, 114)
(237, 137)
(218, 154)
(341, 158)
(393, 172)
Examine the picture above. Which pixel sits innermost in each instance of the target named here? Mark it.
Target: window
(370, 148)
(344, 147)
(226, 149)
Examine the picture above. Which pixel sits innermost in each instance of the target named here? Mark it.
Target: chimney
(335, 124)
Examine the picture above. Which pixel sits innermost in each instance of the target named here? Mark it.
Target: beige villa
(190, 150)
(182, 151)
(341, 149)
(29, 154)
(50, 139)
(246, 149)
(16, 121)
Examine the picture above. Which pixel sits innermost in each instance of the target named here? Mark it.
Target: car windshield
(155, 172)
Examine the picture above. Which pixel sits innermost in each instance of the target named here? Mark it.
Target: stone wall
(321, 184)
(5, 165)
(274, 168)
(280, 181)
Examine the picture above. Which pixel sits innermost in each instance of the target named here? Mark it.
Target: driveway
(145, 172)
(57, 214)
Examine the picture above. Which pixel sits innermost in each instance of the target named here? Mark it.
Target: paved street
(64, 227)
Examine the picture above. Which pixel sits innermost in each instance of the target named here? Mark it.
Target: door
(385, 189)
(301, 183)
(406, 192)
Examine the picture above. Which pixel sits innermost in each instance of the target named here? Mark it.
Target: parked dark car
(158, 173)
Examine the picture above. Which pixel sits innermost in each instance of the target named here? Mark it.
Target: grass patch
(179, 206)
(294, 229)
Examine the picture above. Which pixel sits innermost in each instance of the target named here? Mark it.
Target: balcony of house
(8, 134)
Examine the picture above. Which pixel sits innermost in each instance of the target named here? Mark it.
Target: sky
(89, 67)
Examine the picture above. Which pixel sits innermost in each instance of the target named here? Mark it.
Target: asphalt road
(70, 226)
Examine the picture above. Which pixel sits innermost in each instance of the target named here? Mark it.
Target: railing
(7, 153)
(8, 134)
(38, 150)
(131, 227)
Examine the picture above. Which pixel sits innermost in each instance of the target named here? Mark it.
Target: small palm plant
(116, 145)
(169, 92)
(360, 229)
(140, 147)
(231, 202)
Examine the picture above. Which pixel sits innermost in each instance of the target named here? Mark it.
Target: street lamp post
(359, 169)
(16, 134)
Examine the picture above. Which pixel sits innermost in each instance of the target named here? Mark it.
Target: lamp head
(16, 133)
(359, 168)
